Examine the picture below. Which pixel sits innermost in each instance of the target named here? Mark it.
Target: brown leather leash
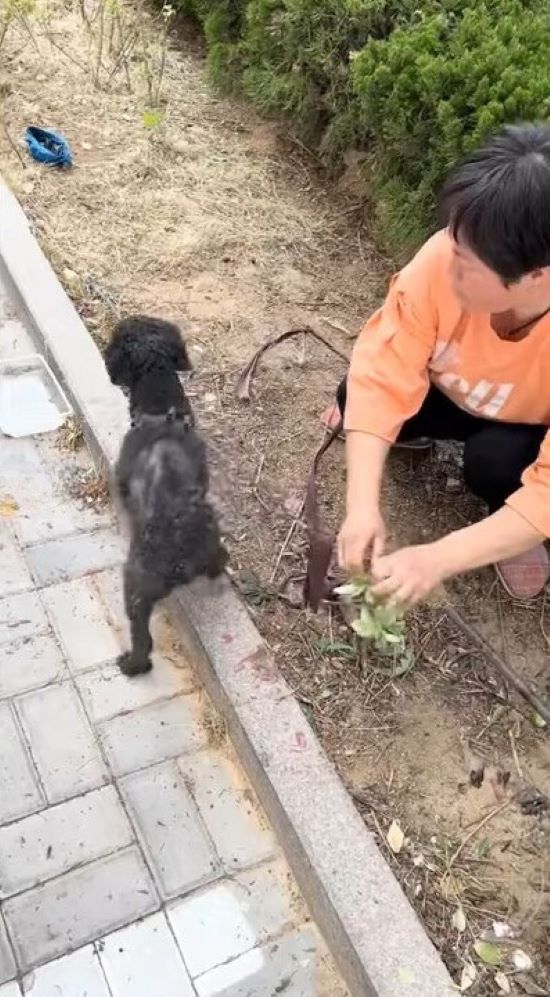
(246, 375)
(320, 540)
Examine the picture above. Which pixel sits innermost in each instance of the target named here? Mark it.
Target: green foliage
(379, 623)
(415, 83)
(433, 90)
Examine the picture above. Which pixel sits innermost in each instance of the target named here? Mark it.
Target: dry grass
(70, 438)
(89, 487)
(214, 725)
(166, 202)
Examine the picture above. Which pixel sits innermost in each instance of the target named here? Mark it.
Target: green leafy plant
(378, 622)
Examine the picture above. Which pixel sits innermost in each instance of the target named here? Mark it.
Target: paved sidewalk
(133, 857)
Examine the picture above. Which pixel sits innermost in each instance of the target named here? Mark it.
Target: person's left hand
(408, 575)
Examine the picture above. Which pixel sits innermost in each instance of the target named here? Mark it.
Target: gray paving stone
(108, 585)
(10, 990)
(14, 573)
(54, 517)
(152, 734)
(233, 916)
(76, 975)
(79, 907)
(170, 829)
(21, 616)
(229, 809)
(8, 968)
(29, 663)
(106, 692)
(22, 469)
(19, 793)
(56, 840)
(134, 960)
(15, 341)
(69, 557)
(61, 741)
(297, 966)
(80, 621)
(45, 509)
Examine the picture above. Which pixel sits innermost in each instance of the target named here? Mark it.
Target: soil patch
(207, 216)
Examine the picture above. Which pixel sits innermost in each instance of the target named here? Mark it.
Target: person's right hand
(362, 538)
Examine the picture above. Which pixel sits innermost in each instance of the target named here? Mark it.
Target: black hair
(498, 201)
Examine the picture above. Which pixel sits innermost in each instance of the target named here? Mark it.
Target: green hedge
(413, 83)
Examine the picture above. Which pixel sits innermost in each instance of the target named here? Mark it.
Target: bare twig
(534, 913)
(519, 769)
(511, 676)
(99, 59)
(68, 55)
(338, 326)
(12, 144)
(286, 542)
(471, 834)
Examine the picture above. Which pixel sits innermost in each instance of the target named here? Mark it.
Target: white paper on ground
(25, 405)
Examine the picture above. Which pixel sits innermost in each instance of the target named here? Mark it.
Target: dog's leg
(140, 598)
(217, 563)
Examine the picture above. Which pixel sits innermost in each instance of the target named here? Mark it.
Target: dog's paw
(130, 666)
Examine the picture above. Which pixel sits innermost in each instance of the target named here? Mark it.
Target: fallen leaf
(405, 974)
(395, 838)
(488, 953)
(503, 983)
(8, 506)
(538, 721)
(468, 978)
(459, 920)
(522, 961)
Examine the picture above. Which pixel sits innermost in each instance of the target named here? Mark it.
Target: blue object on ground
(48, 147)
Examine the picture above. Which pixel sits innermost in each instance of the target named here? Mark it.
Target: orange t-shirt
(421, 335)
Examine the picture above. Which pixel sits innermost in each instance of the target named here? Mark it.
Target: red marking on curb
(299, 741)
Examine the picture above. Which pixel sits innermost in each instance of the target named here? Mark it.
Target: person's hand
(362, 537)
(408, 575)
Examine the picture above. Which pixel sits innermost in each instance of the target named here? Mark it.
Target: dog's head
(142, 345)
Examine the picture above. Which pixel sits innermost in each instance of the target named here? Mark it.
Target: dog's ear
(181, 356)
(116, 362)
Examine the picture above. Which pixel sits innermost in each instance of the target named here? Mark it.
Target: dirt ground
(198, 212)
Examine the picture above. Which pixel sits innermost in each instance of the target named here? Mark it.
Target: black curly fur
(162, 478)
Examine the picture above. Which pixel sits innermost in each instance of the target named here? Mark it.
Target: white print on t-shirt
(484, 398)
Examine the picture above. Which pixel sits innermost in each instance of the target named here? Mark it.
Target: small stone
(453, 485)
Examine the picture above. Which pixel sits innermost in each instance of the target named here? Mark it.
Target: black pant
(495, 453)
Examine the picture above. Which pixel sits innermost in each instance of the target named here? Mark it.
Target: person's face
(476, 286)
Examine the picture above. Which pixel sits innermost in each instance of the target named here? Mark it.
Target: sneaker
(420, 443)
(525, 576)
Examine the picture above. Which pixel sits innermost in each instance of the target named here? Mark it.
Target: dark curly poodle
(161, 476)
